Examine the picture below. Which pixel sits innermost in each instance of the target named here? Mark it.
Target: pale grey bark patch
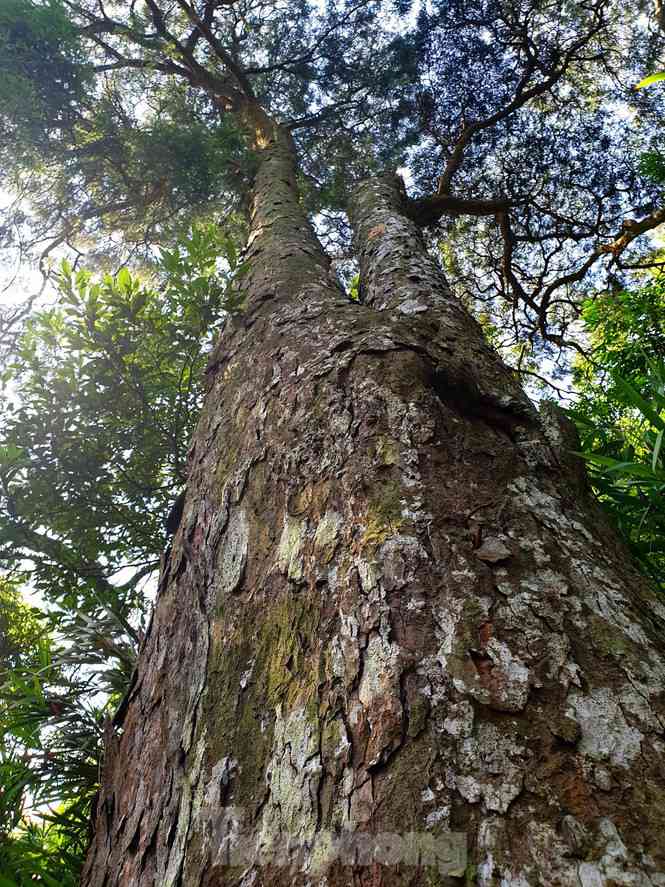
(613, 863)
(459, 720)
(493, 551)
(602, 778)
(492, 768)
(290, 559)
(233, 552)
(292, 778)
(605, 733)
(575, 835)
(378, 693)
(327, 535)
(177, 850)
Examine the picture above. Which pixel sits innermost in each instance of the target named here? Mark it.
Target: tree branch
(426, 211)
(521, 97)
(204, 27)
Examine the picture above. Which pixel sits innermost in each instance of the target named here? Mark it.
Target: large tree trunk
(391, 605)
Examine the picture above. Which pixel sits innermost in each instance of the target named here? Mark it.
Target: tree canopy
(517, 122)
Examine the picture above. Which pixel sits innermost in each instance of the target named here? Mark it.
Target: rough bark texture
(390, 605)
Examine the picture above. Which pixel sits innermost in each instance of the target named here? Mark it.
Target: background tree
(619, 403)
(105, 387)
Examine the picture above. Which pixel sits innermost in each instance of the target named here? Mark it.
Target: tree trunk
(391, 607)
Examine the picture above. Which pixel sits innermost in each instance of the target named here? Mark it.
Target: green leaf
(634, 469)
(656, 451)
(636, 399)
(652, 78)
(124, 280)
(231, 253)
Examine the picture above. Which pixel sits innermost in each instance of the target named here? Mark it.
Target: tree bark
(391, 605)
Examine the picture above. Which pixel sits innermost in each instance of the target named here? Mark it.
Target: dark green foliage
(20, 629)
(50, 751)
(43, 76)
(105, 386)
(627, 335)
(652, 164)
(621, 416)
(36, 768)
(42, 852)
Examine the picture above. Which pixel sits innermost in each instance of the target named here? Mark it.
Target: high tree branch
(521, 97)
(309, 55)
(426, 211)
(221, 53)
(631, 229)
